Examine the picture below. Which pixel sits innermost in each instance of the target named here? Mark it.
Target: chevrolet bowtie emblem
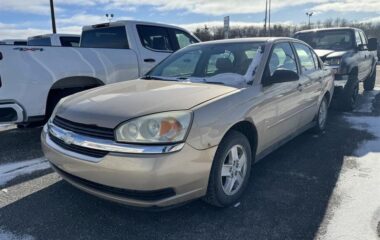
(68, 138)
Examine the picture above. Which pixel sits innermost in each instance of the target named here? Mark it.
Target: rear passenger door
(367, 55)
(311, 77)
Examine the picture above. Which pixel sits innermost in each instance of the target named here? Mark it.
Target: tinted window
(282, 57)
(333, 40)
(39, 41)
(20, 43)
(110, 37)
(183, 38)
(305, 56)
(154, 38)
(69, 41)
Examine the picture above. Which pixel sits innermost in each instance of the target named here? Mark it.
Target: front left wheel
(230, 171)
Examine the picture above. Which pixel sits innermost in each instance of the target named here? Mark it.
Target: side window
(282, 58)
(183, 38)
(154, 38)
(39, 41)
(69, 41)
(305, 56)
(109, 37)
(363, 37)
(357, 38)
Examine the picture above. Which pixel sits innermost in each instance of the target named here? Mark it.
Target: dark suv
(350, 54)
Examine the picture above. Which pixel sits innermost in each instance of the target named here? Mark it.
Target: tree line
(284, 30)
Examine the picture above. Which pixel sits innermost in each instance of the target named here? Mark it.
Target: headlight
(168, 127)
(333, 61)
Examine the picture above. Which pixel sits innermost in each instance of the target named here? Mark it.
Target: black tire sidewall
(369, 84)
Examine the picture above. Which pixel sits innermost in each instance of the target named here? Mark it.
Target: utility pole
(266, 18)
(52, 16)
(269, 15)
(309, 14)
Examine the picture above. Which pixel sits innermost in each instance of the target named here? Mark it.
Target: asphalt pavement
(290, 196)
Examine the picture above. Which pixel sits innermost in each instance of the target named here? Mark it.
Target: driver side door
(283, 99)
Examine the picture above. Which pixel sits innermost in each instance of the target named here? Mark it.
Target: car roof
(327, 29)
(247, 40)
(54, 34)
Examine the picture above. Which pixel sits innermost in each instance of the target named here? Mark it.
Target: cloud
(348, 6)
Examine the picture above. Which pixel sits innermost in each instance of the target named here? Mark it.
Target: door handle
(149, 60)
(300, 87)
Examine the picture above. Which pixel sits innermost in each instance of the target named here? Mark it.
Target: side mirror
(282, 75)
(362, 47)
(372, 44)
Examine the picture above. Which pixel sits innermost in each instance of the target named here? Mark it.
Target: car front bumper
(139, 180)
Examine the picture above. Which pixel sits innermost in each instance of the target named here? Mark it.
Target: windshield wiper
(149, 77)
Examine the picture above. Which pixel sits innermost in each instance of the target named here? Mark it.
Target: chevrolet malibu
(193, 126)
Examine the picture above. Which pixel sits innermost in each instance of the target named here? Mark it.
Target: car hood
(110, 105)
(323, 53)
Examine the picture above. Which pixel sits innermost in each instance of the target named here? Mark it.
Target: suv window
(282, 58)
(155, 38)
(357, 38)
(110, 37)
(305, 56)
(363, 37)
(184, 39)
(39, 41)
(69, 41)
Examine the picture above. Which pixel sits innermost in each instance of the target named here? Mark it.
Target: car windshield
(208, 62)
(331, 40)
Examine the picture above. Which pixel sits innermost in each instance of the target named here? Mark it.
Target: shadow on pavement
(287, 199)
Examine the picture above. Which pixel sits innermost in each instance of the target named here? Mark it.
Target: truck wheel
(347, 100)
(230, 170)
(369, 83)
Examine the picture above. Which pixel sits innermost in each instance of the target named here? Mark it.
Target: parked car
(352, 56)
(34, 78)
(57, 40)
(193, 125)
(17, 42)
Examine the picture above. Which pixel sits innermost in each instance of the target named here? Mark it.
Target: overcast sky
(22, 18)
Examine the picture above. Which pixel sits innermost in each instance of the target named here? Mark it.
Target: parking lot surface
(314, 187)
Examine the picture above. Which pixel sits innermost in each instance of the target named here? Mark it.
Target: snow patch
(5, 235)
(6, 126)
(358, 214)
(12, 170)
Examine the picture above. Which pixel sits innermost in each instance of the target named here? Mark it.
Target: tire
(321, 118)
(348, 98)
(224, 191)
(369, 83)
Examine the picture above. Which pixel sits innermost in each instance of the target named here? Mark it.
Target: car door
(156, 45)
(367, 55)
(281, 101)
(360, 57)
(311, 77)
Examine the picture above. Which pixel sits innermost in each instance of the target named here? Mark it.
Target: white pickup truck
(55, 39)
(34, 78)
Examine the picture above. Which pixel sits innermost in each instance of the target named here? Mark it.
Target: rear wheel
(321, 118)
(369, 83)
(230, 171)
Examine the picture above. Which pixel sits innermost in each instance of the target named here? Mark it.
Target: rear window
(69, 41)
(40, 41)
(20, 43)
(110, 37)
